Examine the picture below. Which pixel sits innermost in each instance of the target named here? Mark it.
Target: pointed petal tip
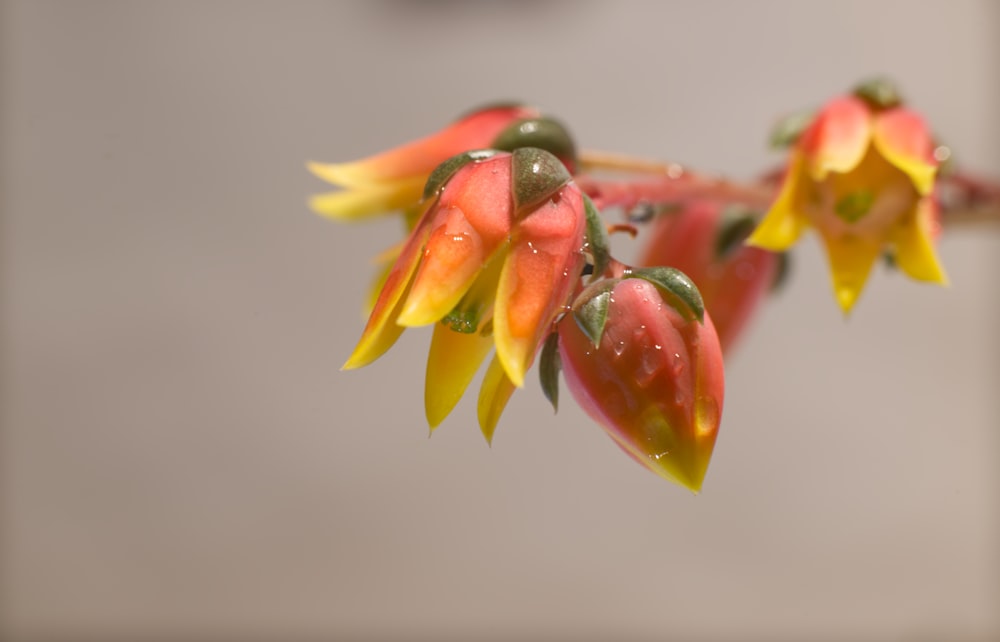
(846, 296)
(343, 174)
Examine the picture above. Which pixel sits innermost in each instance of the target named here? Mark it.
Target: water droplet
(619, 348)
(649, 366)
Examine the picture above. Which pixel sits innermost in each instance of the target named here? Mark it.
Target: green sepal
(443, 172)
(781, 274)
(736, 225)
(590, 311)
(680, 291)
(786, 132)
(549, 367)
(598, 243)
(536, 176)
(880, 93)
(544, 133)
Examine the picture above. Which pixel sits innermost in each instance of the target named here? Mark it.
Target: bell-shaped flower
(394, 180)
(862, 173)
(706, 242)
(497, 254)
(642, 358)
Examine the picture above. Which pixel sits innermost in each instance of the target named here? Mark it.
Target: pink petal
(902, 137)
(838, 138)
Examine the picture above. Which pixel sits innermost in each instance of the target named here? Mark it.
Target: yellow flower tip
(779, 230)
(343, 174)
(361, 203)
(494, 393)
(452, 362)
(847, 295)
(851, 260)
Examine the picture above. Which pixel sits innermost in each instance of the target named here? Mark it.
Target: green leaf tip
(543, 133)
(443, 172)
(536, 175)
(549, 367)
(590, 311)
(880, 93)
(598, 244)
(679, 290)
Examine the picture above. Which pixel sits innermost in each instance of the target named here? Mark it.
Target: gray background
(182, 459)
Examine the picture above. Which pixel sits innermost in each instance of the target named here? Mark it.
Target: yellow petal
(851, 259)
(355, 204)
(783, 223)
(914, 241)
(493, 396)
(382, 330)
(453, 360)
(354, 174)
(454, 256)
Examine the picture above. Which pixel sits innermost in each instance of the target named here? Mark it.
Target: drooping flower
(394, 180)
(495, 257)
(705, 242)
(862, 173)
(642, 358)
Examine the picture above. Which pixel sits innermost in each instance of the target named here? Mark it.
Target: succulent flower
(495, 257)
(394, 180)
(862, 173)
(642, 358)
(705, 241)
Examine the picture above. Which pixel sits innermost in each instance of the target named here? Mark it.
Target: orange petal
(838, 138)
(420, 157)
(471, 221)
(902, 137)
(541, 270)
(453, 257)
(494, 394)
(453, 360)
(382, 330)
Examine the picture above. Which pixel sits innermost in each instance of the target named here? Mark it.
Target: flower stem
(966, 200)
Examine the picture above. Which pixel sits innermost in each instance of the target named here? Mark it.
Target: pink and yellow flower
(706, 243)
(641, 363)
(862, 174)
(394, 180)
(494, 258)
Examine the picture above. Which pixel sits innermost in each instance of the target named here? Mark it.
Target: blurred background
(181, 458)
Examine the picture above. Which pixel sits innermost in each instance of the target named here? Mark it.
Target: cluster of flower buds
(507, 254)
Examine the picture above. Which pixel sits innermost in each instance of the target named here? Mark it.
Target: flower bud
(706, 243)
(652, 376)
